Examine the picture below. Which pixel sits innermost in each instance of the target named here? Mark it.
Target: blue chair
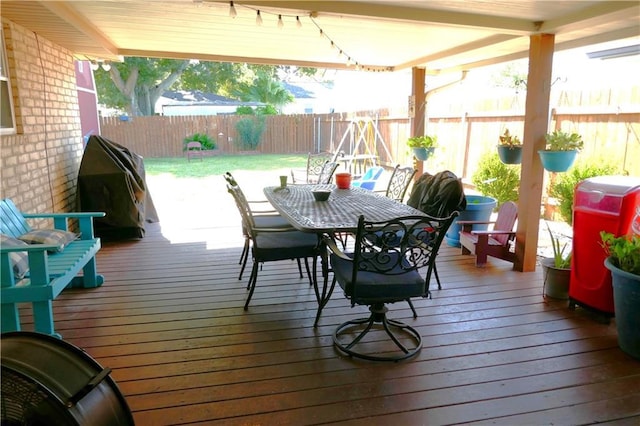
(369, 179)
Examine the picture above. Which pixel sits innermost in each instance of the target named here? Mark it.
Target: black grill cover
(112, 180)
(438, 195)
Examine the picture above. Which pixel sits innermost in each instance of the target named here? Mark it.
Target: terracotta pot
(343, 180)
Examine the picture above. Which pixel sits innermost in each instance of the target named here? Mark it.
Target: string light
(106, 66)
(349, 61)
(95, 66)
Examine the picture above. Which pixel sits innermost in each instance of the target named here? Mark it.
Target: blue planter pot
(626, 302)
(510, 154)
(479, 207)
(422, 154)
(557, 161)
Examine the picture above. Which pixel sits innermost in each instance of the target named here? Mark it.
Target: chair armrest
(493, 232)
(260, 204)
(330, 242)
(474, 222)
(466, 225)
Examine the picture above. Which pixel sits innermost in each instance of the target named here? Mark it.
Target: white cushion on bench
(19, 259)
(49, 236)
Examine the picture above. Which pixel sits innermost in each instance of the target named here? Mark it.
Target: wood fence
(609, 135)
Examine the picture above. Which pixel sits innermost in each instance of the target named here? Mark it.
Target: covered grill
(112, 180)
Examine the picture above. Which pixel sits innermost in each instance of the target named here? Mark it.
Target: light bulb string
(334, 45)
(341, 52)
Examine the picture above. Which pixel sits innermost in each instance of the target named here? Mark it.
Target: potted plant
(623, 260)
(560, 151)
(509, 148)
(423, 146)
(557, 269)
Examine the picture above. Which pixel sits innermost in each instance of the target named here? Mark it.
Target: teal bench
(49, 273)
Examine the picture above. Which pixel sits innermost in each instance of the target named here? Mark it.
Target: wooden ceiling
(378, 35)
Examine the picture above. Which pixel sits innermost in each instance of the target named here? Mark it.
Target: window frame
(5, 81)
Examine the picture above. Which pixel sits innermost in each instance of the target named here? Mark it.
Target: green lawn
(219, 164)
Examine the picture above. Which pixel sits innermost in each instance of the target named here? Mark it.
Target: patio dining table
(338, 215)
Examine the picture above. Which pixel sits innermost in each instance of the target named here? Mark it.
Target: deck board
(169, 322)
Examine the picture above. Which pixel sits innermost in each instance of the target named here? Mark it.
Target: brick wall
(39, 165)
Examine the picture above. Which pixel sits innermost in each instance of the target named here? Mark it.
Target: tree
(264, 88)
(136, 84)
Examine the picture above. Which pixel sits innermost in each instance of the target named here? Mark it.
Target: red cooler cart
(603, 203)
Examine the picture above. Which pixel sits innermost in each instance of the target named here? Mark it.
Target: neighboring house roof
(307, 89)
(196, 102)
(309, 96)
(184, 97)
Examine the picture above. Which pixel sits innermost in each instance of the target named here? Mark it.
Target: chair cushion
(271, 221)
(19, 260)
(395, 285)
(270, 246)
(49, 236)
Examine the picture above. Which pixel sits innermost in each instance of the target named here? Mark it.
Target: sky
(365, 90)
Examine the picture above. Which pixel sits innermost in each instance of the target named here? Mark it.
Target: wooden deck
(169, 322)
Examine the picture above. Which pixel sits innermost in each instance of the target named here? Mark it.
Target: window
(7, 116)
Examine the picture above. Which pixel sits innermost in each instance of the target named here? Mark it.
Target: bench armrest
(30, 248)
(71, 215)
(37, 257)
(61, 221)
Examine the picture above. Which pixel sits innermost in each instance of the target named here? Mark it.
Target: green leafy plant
(250, 131)
(422, 141)
(495, 179)
(563, 141)
(560, 259)
(507, 139)
(205, 140)
(623, 251)
(563, 188)
(245, 110)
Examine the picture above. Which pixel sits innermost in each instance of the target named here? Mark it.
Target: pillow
(19, 259)
(49, 236)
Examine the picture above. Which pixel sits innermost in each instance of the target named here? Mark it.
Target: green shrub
(261, 110)
(250, 131)
(563, 187)
(496, 179)
(266, 110)
(245, 110)
(205, 140)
